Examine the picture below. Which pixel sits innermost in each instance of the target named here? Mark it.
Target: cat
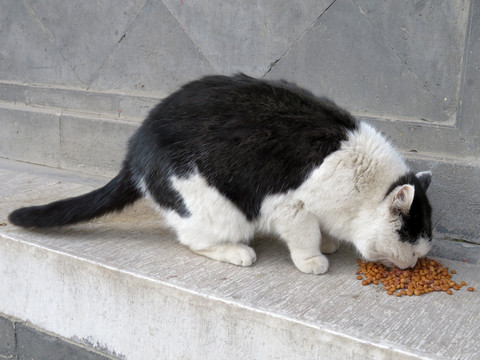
(225, 157)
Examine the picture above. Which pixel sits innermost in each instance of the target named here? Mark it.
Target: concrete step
(62, 127)
(125, 286)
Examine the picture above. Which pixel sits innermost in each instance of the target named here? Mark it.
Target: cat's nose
(404, 264)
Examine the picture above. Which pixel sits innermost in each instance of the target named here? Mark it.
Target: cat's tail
(118, 193)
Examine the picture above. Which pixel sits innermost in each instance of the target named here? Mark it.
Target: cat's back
(247, 137)
(237, 108)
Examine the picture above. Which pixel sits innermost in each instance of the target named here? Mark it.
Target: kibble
(428, 275)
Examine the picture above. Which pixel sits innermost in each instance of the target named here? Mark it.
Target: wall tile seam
(49, 36)
(450, 132)
(468, 160)
(189, 36)
(465, 60)
(422, 85)
(61, 112)
(392, 118)
(441, 158)
(294, 43)
(128, 28)
(154, 99)
(59, 87)
(131, 107)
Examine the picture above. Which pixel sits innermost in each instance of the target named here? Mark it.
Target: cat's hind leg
(213, 242)
(236, 254)
(328, 244)
(210, 241)
(215, 227)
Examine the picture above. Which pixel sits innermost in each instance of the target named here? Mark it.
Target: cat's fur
(226, 157)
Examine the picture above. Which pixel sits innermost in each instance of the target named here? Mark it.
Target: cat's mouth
(388, 263)
(402, 266)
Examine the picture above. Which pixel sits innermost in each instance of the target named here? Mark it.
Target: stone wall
(76, 78)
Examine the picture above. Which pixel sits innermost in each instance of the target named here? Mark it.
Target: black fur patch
(418, 220)
(247, 137)
(114, 196)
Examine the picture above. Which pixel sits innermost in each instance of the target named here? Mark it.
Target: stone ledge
(132, 107)
(63, 140)
(124, 284)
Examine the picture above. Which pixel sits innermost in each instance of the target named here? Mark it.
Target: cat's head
(402, 230)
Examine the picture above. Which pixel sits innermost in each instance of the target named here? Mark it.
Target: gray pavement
(124, 284)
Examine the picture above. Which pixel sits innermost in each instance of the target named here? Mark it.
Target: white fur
(343, 199)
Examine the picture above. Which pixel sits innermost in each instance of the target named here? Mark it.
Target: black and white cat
(226, 157)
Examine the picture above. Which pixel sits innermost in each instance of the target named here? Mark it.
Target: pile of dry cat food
(428, 275)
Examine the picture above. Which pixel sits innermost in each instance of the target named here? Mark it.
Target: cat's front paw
(317, 264)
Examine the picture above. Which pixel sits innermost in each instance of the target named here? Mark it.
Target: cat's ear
(425, 178)
(402, 199)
